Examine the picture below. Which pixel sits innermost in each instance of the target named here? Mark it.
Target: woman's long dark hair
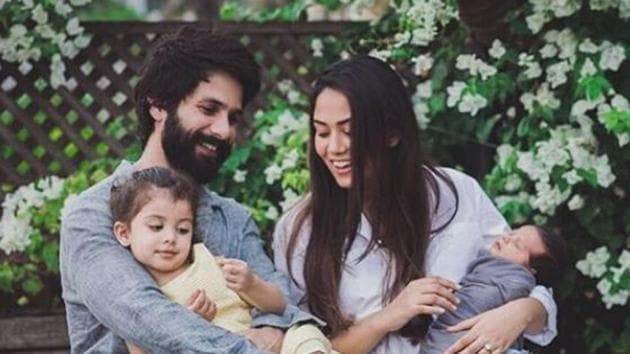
(387, 160)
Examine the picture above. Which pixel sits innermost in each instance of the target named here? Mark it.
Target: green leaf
(32, 285)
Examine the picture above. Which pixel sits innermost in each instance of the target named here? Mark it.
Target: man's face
(197, 138)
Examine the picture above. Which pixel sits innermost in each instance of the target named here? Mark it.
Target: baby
(154, 216)
(508, 270)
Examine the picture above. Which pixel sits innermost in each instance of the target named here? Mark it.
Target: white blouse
(450, 251)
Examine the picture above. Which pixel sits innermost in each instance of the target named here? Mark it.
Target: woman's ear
(121, 231)
(393, 138)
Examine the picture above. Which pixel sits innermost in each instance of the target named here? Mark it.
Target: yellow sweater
(204, 273)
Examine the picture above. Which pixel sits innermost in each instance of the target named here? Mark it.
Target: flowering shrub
(39, 29)
(29, 236)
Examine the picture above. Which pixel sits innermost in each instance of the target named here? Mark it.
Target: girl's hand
(201, 305)
(424, 296)
(492, 331)
(237, 274)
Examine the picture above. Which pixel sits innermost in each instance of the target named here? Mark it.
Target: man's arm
(123, 297)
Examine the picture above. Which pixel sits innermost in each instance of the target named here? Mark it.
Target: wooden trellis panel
(45, 131)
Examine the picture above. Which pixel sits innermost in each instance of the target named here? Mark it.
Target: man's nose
(220, 126)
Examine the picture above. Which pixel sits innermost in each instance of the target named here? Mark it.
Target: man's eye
(209, 110)
(155, 227)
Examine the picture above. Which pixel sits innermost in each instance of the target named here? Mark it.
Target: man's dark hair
(549, 267)
(129, 196)
(180, 61)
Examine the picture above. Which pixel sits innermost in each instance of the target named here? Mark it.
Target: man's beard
(180, 149)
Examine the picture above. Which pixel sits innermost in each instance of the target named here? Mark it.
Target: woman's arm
(425, 296)
(498, 328)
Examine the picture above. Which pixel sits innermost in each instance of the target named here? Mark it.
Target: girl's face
(331, 121)
(160, 235)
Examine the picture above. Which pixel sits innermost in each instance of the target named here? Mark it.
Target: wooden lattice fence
(47, 131)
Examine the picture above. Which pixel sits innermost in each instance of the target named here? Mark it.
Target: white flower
(82, 41)
(497, 50)
(580, 107)
(624, 259)
(618, 298)
(594, 265)
(239, 176)
(548, 51)
(69, 50)
(536, 21)
(604, 286)
(623, 139)
(531, 166)
(557, 73)
(294, 97)
(272, 174)
(611, 57)
(572, 177)
(73, 28)
(513, 183)
(533, 69)
(476, 67)
(317, 46)
(472, 103)
(620, 103)
(2, 2)
(424, 89)
(62, 8)
(504, 153)
(39, 15)
(28, 3)
(575, 203)
(290, 160)
(422, 64)
(272, 213)
(588, 69)
(587, 46)
(605, 177)
(290, 198)
(455, 93)
(511, 112)
(380, 54)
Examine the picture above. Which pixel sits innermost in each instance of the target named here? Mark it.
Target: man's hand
(201, 305)
(266, 338)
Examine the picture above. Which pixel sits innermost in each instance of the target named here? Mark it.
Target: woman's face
(331, 121)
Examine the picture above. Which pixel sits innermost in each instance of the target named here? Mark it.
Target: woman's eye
(322, 134)
(155, 227)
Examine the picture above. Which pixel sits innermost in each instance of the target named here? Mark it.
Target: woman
(382, 237)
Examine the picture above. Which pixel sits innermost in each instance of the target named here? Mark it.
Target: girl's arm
(257, 292)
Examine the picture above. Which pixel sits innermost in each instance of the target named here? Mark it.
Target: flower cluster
(543, 11)
(614, 283)
(42, 29)
(18, 208)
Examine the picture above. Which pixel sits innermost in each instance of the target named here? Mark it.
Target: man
(189, 103)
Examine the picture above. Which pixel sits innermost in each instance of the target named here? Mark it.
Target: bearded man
(189, 103)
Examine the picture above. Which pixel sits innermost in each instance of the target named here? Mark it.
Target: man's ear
(121, 231)
(158, 114)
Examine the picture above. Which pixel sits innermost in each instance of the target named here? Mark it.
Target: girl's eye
(155, 227)
(322, 134)
(183, 230)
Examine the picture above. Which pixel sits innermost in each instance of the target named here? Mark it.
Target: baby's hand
(201, 305)
(237, 274)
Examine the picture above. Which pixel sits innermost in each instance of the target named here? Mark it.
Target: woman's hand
(201, 305)
(492, 331)
(424, 296)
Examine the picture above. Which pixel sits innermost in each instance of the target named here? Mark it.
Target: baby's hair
(130, 195)
(549, 267)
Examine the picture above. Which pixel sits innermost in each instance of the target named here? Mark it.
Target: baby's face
(519, 245)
